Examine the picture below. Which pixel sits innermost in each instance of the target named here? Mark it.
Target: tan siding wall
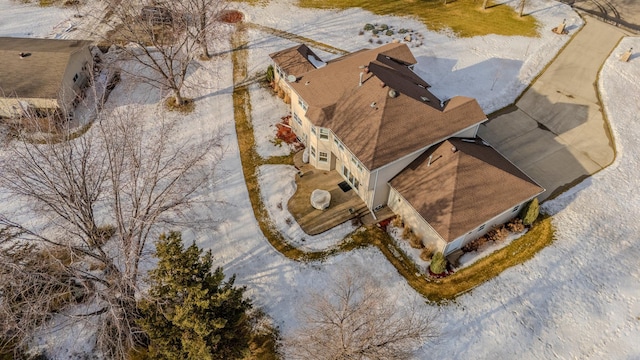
(472, 132)
(10, 107)
(76, 61)
(410, 216)
(477, 232)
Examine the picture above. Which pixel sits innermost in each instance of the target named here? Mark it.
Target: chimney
(429, 163)
(361, 75)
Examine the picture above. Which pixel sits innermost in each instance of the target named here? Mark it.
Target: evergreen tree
(195, 314)
(530, 212)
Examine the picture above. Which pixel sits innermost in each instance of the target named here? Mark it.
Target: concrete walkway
(556, 132)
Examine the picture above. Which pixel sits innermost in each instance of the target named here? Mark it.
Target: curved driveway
(556, 132)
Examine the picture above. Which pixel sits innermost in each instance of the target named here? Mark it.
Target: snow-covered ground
(576, 299)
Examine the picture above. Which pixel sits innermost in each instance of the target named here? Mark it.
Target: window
(356, 184)
(515, 208)
(324, 134)
(359, 167)
(75, 78)
(313, 152)
(313, 130)
(297, 119)
(302, 104)
(354, 161)
(323, 156)
(482, 227)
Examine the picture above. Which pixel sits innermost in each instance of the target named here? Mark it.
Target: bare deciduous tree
(205, 13)
(358, 320)
(522, 3)
(103, 195)
(165, 39)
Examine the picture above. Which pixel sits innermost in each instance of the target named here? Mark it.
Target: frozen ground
(576, 299)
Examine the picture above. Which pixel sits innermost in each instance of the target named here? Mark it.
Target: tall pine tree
(194, 314)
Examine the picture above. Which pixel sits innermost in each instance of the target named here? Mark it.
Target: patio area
(345, 205)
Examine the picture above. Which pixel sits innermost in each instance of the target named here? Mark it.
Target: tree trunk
(522, 7)
(205, 50)
(484, 5)
(178, 96)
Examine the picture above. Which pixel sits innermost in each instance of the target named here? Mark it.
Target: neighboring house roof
(40, 72)
(297, 60)
(466, 184)
(375, 126)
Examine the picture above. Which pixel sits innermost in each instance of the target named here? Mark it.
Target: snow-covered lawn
(579, 298)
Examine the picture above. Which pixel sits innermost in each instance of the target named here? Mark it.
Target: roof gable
(460, 184)
(297, 60)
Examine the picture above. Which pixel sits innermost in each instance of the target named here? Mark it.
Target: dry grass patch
(187, 106)
(465, 17)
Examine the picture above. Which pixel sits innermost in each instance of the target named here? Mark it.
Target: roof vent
(307, 82)
(454, 149)
(424, 98)
(373, 104)
(292, 78)
(393, 93)
(24, 55)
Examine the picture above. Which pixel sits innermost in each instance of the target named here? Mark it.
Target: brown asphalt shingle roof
(462, 190)
(377, 128)
(38, 75)
(295, 60)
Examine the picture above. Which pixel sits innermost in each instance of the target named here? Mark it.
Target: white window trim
(297, 119)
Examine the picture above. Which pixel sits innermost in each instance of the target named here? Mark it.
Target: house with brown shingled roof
(458, 190)
(369, 117)
(42, 74)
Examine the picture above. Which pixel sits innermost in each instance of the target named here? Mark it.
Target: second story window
(297, 119)
(324, 134)
(313, 130)
(302, 104)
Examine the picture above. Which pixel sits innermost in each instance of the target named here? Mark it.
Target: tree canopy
(195, 313)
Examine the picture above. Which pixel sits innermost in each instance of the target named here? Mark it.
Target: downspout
(375, 186)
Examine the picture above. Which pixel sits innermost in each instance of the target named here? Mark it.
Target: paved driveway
(626, 11)
(556, 132)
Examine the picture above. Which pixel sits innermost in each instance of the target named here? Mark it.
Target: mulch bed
(231, 16)
(286, 134)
